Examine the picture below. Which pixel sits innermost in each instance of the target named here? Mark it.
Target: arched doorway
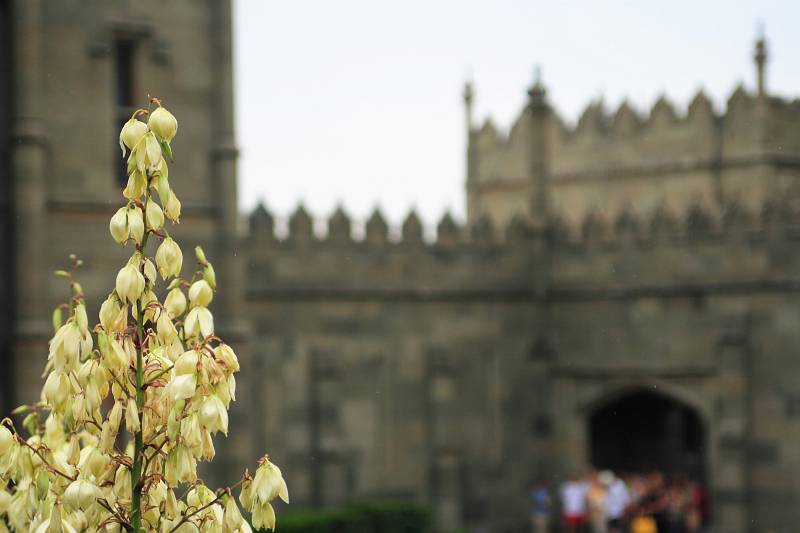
(644, 430)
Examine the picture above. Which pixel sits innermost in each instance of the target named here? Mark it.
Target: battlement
(603, 142)
(609, 160)
(699, 244)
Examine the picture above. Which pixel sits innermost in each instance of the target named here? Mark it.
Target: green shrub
(366, 517)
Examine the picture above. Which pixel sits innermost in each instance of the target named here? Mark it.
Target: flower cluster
(129, 406)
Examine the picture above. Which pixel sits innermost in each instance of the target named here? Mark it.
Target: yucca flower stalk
(129, 405)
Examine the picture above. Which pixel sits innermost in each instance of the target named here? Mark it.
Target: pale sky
(358, 102)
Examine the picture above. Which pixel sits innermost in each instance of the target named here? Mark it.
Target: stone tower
(664, 158)
(70, 74)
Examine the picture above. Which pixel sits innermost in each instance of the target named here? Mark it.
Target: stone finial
(468, 96)
(537, 94)
(262, 224)
(412, 229)
(377, 230)
(447, 233)
(301, 225)
(760, 57)
(339, 226)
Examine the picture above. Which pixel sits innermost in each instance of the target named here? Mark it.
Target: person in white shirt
(617, 500)
(573, 504)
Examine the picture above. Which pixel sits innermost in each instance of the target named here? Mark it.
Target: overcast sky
(358, 102)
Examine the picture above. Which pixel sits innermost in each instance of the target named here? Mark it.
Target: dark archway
(643, 431)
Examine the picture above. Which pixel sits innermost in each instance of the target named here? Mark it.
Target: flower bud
(152, 151)
(112, 316)
(173, 207)
(122, 483)
(149, 272)
(210, 276)
(131, 133)
(187, 363)
(118, 226)
(269, 484)
(137, 183)
(233, 516)
(166, 329)
(155, 216)
(115, 415)
(247, 496)
(199, 321)
(56, 389)
(73, 452)
(54, 522)
(162, 183)
(171, 506)
(180, 467)
(136, 224)
(132, 417)
(6, 440)
(213, 415)
(182, 387)
(224, 353)
(163, 124)
(158, 493)
(191, 434)
(81, 318)
(200, 293)
(81, 494)
(130, 283)
(175, 303)
(264, 516)
(169, 258)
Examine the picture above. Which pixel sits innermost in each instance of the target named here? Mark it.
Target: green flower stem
(138, 445)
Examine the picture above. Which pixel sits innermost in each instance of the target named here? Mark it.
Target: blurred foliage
(366, 517)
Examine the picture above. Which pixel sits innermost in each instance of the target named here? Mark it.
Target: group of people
(602, 502)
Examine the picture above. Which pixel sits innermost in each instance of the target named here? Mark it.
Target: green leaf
(42, 484)
(58, 319)
(62, 274)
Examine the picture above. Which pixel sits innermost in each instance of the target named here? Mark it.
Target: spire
(468, 96)
(537, 92)
(760, 57)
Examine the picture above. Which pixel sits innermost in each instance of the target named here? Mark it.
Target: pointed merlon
(339, 226)
(261, 221)
(300, 224)
(447, 232)
(377, 230)
(412, 228)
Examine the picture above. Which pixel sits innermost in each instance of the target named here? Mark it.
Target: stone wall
(454, 371)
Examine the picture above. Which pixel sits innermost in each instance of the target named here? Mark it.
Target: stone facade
(621, 260)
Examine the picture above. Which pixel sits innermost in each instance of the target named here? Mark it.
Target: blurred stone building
(624, 293)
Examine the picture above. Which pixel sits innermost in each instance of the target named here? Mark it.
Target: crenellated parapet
(665, 247)
(611, 159)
